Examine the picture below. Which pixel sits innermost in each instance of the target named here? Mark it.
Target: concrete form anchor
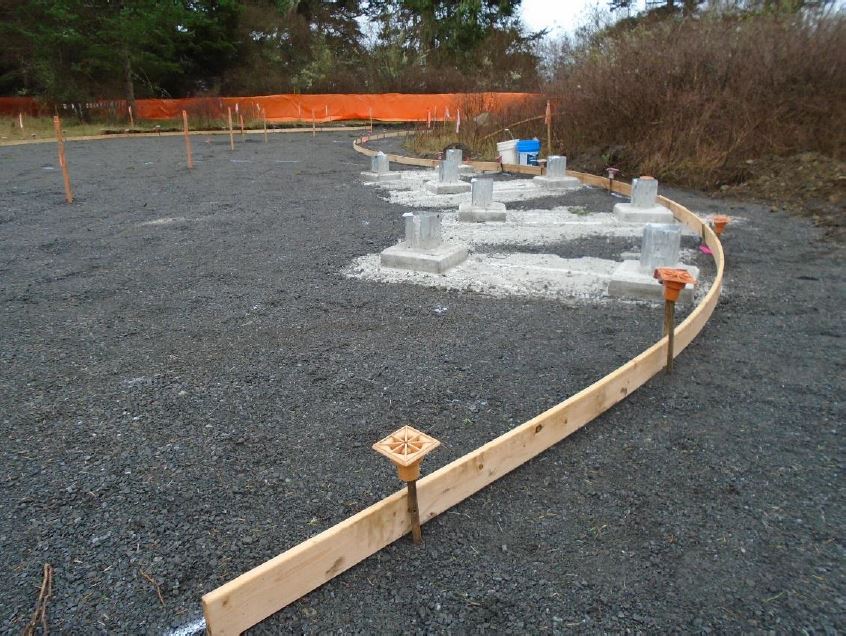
(673, 280)
(556, 175)
(423, 249)
(380, 169)
(643, 207)
(482, 207)
(448, 181)
(406, 448)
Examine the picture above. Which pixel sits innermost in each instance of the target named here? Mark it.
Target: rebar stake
(406, 448)
(673, 280)
(612, 172)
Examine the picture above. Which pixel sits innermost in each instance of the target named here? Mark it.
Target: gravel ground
(189, 387)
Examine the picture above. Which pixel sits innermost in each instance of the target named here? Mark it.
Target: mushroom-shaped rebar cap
(673, 280)
(720, 222)
(406, 448)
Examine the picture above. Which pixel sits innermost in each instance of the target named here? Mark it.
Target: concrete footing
(629, 213)
(630, 281)
(435, 260)
(381, 176)
(447, 187)
(557, 183)
(469, 213)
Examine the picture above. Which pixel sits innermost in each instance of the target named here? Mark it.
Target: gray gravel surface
(189, 387)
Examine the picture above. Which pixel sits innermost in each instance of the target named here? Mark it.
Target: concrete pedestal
(628, 213)
(435, 260)
(447, 187)
(381, 176)
(557, 183)
(631, 282)
(469, 213)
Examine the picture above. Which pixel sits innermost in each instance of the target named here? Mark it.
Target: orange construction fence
(386, 107)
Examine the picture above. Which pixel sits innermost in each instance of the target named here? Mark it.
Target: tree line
(73, 50)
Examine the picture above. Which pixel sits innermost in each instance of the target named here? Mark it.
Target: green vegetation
(79, 50)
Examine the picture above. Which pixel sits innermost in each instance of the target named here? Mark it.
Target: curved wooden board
(255, 595)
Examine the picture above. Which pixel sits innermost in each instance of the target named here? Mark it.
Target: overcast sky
(555, 15)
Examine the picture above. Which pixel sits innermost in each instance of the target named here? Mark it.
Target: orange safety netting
(387, 107)
(393, 107)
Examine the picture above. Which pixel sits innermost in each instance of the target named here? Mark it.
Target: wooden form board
(255, 595)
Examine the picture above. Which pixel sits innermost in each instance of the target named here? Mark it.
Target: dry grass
(691, 101)
(482, 125)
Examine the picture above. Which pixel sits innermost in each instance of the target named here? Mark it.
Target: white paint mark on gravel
(189, 629)
(410, 190)
(167, 220)
(536, 227)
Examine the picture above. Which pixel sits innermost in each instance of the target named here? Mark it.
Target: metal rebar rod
(669, 331)
(414, 513)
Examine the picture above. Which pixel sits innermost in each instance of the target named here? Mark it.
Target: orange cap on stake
(673, 281)
(720, 222)
(406, 448)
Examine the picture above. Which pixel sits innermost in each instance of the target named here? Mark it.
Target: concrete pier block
(423, 231)
(454, 155)
(456, 187)
(556, 175)
(448, 181)
(423, 249)
(482, 206)
(660, 247)
(643, 207)
(631, 282)
(436, 260)
(380, 169)
(481, 192)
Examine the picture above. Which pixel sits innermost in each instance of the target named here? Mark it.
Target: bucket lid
(528, 145)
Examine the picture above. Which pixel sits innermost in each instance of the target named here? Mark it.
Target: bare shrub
(692, 99)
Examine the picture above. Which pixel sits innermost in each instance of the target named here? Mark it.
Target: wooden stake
(313, 124)
(57, 126)
(131, 118)
(21, 120)
(549, 131)
(264, 118)
(231, 136)
(187, 140)
(241, 119)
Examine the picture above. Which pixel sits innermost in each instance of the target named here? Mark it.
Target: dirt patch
(808, 184)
